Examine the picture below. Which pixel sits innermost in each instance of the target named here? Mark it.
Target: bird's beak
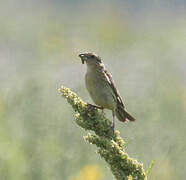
(82, 56)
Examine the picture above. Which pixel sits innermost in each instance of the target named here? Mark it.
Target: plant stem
(111, 146)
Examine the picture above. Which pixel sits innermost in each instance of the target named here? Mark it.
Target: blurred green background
(143, 44)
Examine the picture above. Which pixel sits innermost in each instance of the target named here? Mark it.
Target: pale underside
(101, 89)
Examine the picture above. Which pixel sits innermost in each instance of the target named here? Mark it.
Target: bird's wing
(115, 91)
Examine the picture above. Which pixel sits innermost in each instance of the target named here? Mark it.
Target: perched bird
(101, 88)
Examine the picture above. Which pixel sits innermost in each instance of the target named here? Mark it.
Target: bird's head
(90, 59)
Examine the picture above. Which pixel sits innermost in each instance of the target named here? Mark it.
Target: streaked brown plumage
(101, 88)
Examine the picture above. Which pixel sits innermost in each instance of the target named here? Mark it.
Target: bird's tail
(123, 115)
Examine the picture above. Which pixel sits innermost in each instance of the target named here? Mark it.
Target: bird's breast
(99, 89)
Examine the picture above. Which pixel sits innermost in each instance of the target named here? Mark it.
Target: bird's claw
(91, 106)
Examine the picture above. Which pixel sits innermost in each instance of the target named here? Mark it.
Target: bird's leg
(113, 120)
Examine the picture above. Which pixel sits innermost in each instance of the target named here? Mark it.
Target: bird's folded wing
(115, 91)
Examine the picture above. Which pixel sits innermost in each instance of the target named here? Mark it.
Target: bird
(102, 89)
